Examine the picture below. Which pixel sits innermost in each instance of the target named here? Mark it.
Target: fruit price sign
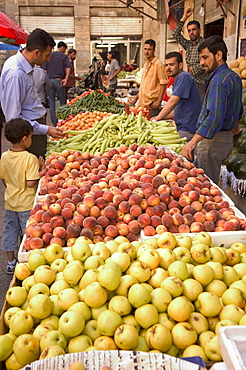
(113, 360)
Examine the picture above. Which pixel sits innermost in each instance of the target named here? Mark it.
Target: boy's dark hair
(61, 44)
(194, 22)
(214, 44)
(112, 53)
(71, 50)
(16, 129)
(174, 54)
(150, 42)
(39, 39)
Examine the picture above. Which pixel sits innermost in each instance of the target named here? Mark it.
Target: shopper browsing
(19, 171)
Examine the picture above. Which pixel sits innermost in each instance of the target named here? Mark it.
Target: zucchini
(240, 170)
(242, 147)
(241, 138)
(233, 159)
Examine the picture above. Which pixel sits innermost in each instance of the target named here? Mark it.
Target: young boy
(19, 171)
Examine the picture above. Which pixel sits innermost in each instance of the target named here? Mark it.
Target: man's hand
(55, 132)
(187, 13)
(155, 105)
(190, 70)
(187, 150)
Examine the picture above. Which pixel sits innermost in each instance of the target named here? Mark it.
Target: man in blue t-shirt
(184, 105)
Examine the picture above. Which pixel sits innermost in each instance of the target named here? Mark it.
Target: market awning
(11, 32)
(8, 47)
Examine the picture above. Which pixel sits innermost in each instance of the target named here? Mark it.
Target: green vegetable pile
(117, 130)
(94, 101)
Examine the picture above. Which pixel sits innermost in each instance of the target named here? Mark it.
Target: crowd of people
(205, 103)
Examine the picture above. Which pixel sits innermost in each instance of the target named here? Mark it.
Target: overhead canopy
(12, 32)
(8, 47)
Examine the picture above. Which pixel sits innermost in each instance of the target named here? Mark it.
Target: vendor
(128, 67)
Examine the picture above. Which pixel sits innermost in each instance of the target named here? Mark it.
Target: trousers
(56, 89)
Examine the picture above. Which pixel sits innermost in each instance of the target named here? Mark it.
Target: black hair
(150, 42)
(174, 54)
(61, 44)
(214, 44)
(16, 129)
(71, 50)
(112, 53)
(194, 22)
(39, 39)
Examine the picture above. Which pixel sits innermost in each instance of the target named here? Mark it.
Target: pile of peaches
(121, 193)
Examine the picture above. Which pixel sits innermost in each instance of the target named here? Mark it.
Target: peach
(56, 221)
(109, 212)
(176, 191)
(111, 231)
(224, 204)
(87, 233)
(158, 210)
(196, 227)
(89, 200)
(144, 220)
(174, 204)
(230, 226)
(134, 227)
(149, 231)
(178, 219)
(164, 189)
(146, 178)
(65, 193)
(78, 219)
(47, 228)
(148, 192)
(126, 193)
(157, 181)
(73, 231)
(199, 217)
(188, 209)
(59, 232)
(108, 196)
(183, 229)
(89, 222)
(64, 201)
(76, 198)
(36, 231)
(83, 210)
(214, 190)
(38, 215)
(56, 240)
(161, 229)
(153, 200)
(197, 205)
(165, 198)
(155, 220)
(128, 218)
(67, 213)
(167, 220)
(36, 243)
(98, 230)
(55, 209)
(135, 210)
(144, 204)
(211, 216)
(124, 207)
(209, 226)
(123, 229)
(95, 211)
(193, 195)
(184, 201)
(188, 219)
(47, 238)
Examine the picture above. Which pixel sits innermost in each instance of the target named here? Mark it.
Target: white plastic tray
(232, 342)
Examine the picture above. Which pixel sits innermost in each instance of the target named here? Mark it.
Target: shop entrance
(214, 28)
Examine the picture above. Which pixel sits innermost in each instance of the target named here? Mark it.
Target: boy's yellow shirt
(15, 169)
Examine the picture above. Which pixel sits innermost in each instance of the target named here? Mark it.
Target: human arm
(31, 183)
(41, 163)
(4, 183)
(166, 111)
(55, 132)
(190, 146)
(64, 81)
(178, 29)
(114, 75)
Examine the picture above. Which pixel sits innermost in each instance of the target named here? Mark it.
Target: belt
(225, 129)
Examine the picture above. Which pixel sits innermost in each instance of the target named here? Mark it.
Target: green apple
(52, 252)
(157, 276)
(198, 321)
(165, 320)
(38, 288)
(230, 275)
(178, 269)
(182, 254)
(108, 321)
(59, 276)
(223, 251)
(183, 240)
(205, 337)
(173, 351)
(67, 298)
(40, 330)
(142, 345)
(28, 282)
(217, 287)
(73, 272)
(200, 252)
(151, 241)
(52, 320)
(51, 338)
(151, 258)
(40, 306)
(167, 256)
(51, 351)
(240, 247)
(192, 288)
(217, 255)
(208, 304)
(96, 311)
(91, 330)
(158, 337)
(80, 251)
(173, 285)
(131, 320)
(240, 269)
(71, 323)
(57, 310)
(89, 276)
(218, 269)
(166, 240)
(193, 351)
(22, 271)
(203, 237)
(183, 335)
(212, 350)
(126, 337)
(146, 315)
(203, 273)
(95, 295)
(44, 274)
(25, 305)
(6, 347)
(161, 298)
(79, 344)
(109, 264)
(9, 313)
(58, 265)
(120, 304)
(68, 256)
(240, 284)
(21, 323)
(16, 296)
(233, 257)
(58, 286)
(143, 248)
(109, 279)
(128, 248)
(126, 281)
(233, 296)
(112, 245)
(105, 343)
(82, 308)
(93, 262)
(101, 251)
(26, 349)
(140, 271)
(123, 259)
(180, 308)
(138, 295)
(36, 259)
(243, 257)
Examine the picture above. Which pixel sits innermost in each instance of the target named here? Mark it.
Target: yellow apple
(180, 308)
(212, 349)
(166, 240)
(40, 330)
(16, 296)
(205, 337)
(58, 286)
(22, 271)
(240, 269)
(101, 251)
(240, 247)
(225, 322)
(6, 347)
(56, 308)
(79, 344)
(203, 237)
(158, 337)
(21, 323)
(9, 313)
(166, 320)
(230, 275)
(40, 306)
(53, 337)
(67, 298)
(126, 281)
(146, 315)
(38, 288)
(105, 343)
(192, 288)
(183, 240)
(183, 335)
(194, 350)
(142, 345)
(140, 271)
(138, 295)
(120, 304)
(26, 349)
(161, 298)
(212, 322)
(52, 320)
(157, 276)
(90, 276)
(109, 279)
(82, 308)
(126, 337)
(178, 269)
(108, 321)
(200, 252)
(58, 265)
(203, 273)
(218, 269)
(233, 296)
(52, 252)
(131, 320)
(51, 351)
(36, 259)
(80, 250)
(217, 287)
(208, 304)
(198, 321)
(71, 323)
(167, 256)
(91, 330)
(182, 254)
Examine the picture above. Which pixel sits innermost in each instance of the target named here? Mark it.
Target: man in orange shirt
(154, 80)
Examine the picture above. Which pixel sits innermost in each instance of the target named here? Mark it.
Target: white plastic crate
(232, 342)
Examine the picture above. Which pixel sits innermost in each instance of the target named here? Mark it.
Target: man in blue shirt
(184, 104)
(18, 95)
(221, 109)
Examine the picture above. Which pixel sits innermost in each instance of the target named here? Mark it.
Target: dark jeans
(39, 142)
(56, 89)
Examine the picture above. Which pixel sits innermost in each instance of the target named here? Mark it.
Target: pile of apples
(169, 294)
(122, 192)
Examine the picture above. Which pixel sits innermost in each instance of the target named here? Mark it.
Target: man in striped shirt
(221, 109)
